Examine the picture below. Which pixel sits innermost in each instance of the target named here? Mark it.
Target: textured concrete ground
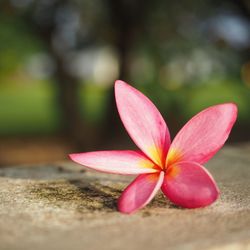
(60, 206)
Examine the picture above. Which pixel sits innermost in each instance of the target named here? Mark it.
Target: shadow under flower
(98, 196)
(79, 195)
(85, 197)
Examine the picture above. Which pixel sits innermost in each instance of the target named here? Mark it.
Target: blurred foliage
(174, 52)
(17, 44)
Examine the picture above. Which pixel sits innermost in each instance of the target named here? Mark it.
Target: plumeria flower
(177, 167)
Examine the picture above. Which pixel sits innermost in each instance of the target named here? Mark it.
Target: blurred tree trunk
(72, 124)
(68, 100)
(127, 18)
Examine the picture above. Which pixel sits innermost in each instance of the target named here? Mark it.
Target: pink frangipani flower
(174, 167)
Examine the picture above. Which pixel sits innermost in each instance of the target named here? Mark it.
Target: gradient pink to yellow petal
(204, 134)
(190, 185)
(143, 121)
(126, 162)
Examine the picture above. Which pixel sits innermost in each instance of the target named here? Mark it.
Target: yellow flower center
(163, 162)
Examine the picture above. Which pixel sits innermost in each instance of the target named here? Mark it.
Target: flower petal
(140, 192)
(203, 135)
(143, 122)
(188, 184)
(118, 162)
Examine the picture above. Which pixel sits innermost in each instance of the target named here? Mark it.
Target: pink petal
(188, 184)
(143, 122)
(118, 162)
(203, 135)
(140, 192)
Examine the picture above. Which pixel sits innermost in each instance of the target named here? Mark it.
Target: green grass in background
(33, 109)
(94, 102)
(27, 108)
(219, 91)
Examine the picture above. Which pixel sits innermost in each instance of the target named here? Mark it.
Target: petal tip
(123, 206)
(123, 209)
(72, 156)
(119, 83)
(233, 111)
(233, 105)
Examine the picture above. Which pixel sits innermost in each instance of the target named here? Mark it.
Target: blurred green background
(59, 61)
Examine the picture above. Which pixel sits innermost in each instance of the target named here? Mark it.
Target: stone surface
(61, 206)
